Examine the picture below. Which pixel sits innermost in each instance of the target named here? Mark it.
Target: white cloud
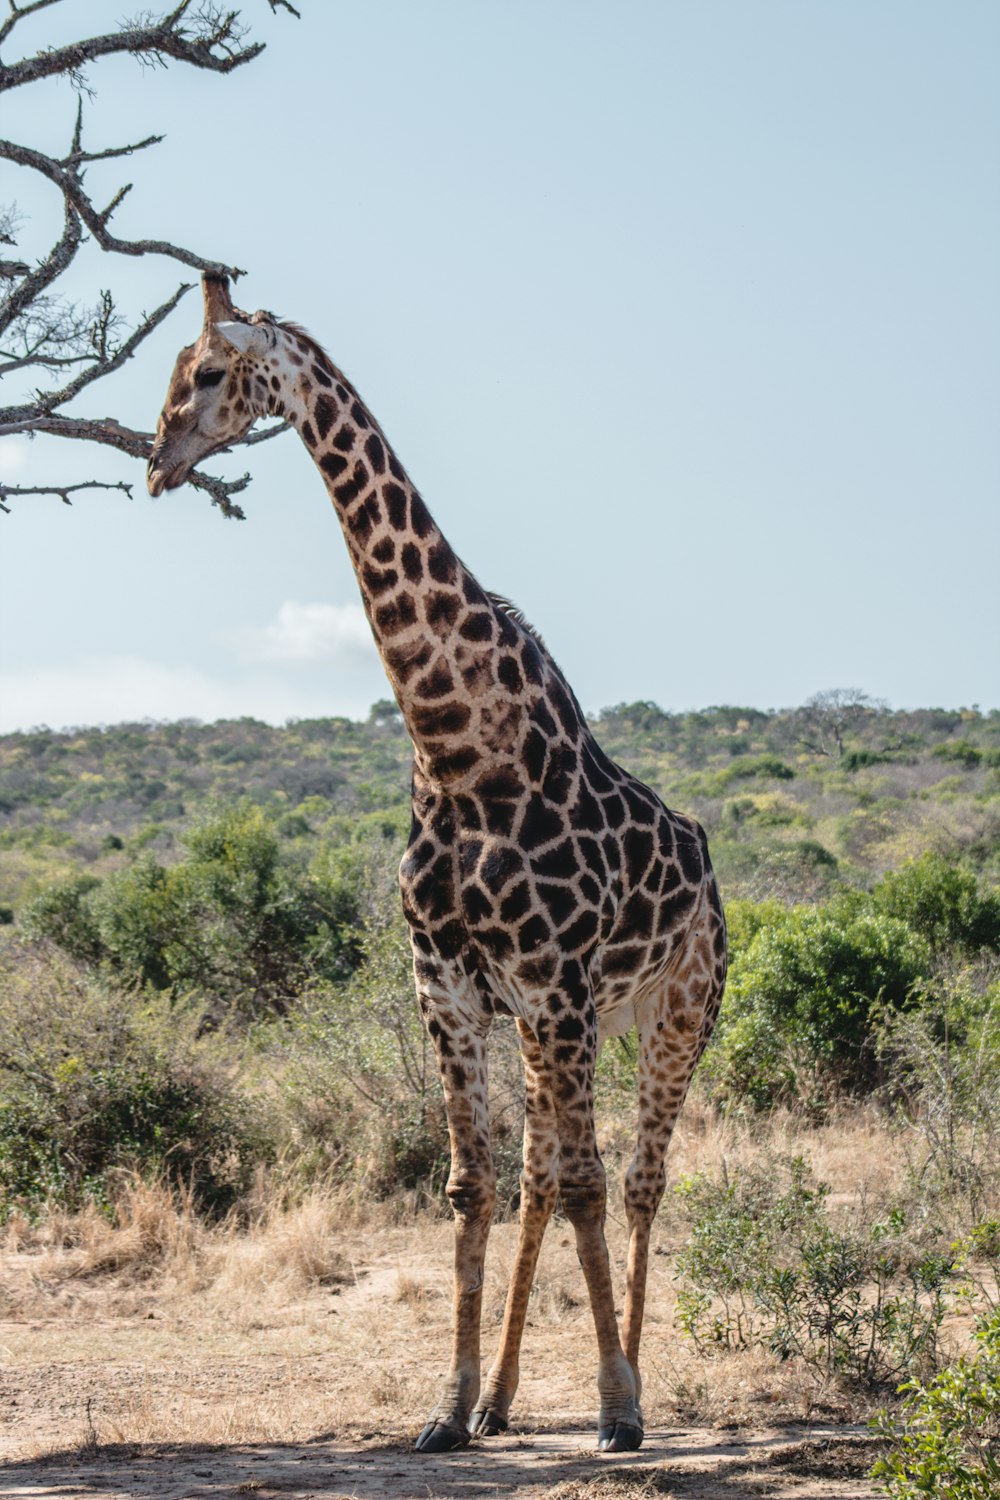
(110, 690)
(336, 633)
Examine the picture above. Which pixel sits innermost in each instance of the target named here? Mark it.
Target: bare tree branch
(18, 12)
(106, 430)
(212, 42)
(264, 435)
(43, 330)
(67, 180)
(9, 491)
(113, 434)
(48, 360)
(43, 276)
(219, 490)
(105, 363)
(76, 157)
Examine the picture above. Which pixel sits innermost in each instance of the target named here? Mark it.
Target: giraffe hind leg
(672, 1024)
(569, 1070)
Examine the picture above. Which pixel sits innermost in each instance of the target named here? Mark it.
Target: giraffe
(540, 879)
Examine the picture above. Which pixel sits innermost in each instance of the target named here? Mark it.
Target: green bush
(943, 902)
(767, 767)
(942, 1060)
(97, 1080)
(856, 760)
(765, 1266)
(945, 1445)
(799, 1000)
(962, 751)
(63, 914)
(233, 922)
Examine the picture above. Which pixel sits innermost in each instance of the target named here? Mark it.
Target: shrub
(964, 752)
(943, 902)
(799, 1000)
(855, 760)
(766, 1267)
(767, 767)
(97, 1080)
(946, 1443)
(232, 921)
(943, 1063)
(62, 913)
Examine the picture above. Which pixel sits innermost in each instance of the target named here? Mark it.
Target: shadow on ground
(692, 1464)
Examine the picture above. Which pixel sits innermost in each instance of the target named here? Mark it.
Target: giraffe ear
(246, 337)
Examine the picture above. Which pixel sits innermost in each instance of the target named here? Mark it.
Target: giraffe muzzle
(161, 477)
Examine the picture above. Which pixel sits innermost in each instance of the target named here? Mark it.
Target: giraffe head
(212, 399)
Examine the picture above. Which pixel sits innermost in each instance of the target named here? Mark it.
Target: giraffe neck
(463, 671)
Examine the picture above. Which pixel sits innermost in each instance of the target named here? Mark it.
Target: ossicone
(215, 290)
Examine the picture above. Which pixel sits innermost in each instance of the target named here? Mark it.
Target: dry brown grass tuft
(290, 1249)
(417, 1296)
(315, 1312)
(634, 1483)
(153, 1227)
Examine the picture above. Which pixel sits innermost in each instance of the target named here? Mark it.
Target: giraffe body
(540, 879)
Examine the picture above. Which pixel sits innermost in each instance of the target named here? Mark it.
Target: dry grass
(316, 1313)
(632, 1484)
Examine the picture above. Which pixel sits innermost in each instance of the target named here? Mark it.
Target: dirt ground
(689, 1463)
(225, 1371)
(159, 1357)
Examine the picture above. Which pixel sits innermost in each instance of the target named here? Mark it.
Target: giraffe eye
(208, 377)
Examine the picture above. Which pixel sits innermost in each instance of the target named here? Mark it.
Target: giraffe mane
(319, 354)
(509, 608)
(513, 612)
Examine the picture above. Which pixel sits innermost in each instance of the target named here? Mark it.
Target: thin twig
(18, 12)
(76, 157)
(113, 434)
(59, 257)
(264, 435)
(104, 366)
(12, 491)
(96, 220)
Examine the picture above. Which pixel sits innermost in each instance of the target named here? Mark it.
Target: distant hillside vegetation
(205, 971)
(793, 801)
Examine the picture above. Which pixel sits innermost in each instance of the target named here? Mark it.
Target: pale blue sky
(685, 318)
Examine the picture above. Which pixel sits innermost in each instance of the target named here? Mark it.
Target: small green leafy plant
(945, 1442)
(765, 1266)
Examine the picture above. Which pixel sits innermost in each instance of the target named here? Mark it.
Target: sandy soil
(689, 1463)
(163, 1358)
(210, 1380)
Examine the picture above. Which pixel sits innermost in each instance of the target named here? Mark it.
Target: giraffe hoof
(623, 1437)
(438, 1437)
(487, 1423)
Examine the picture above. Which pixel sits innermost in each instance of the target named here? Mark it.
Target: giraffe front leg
(539, 1187)
(471, 1189)
(569, 1045)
